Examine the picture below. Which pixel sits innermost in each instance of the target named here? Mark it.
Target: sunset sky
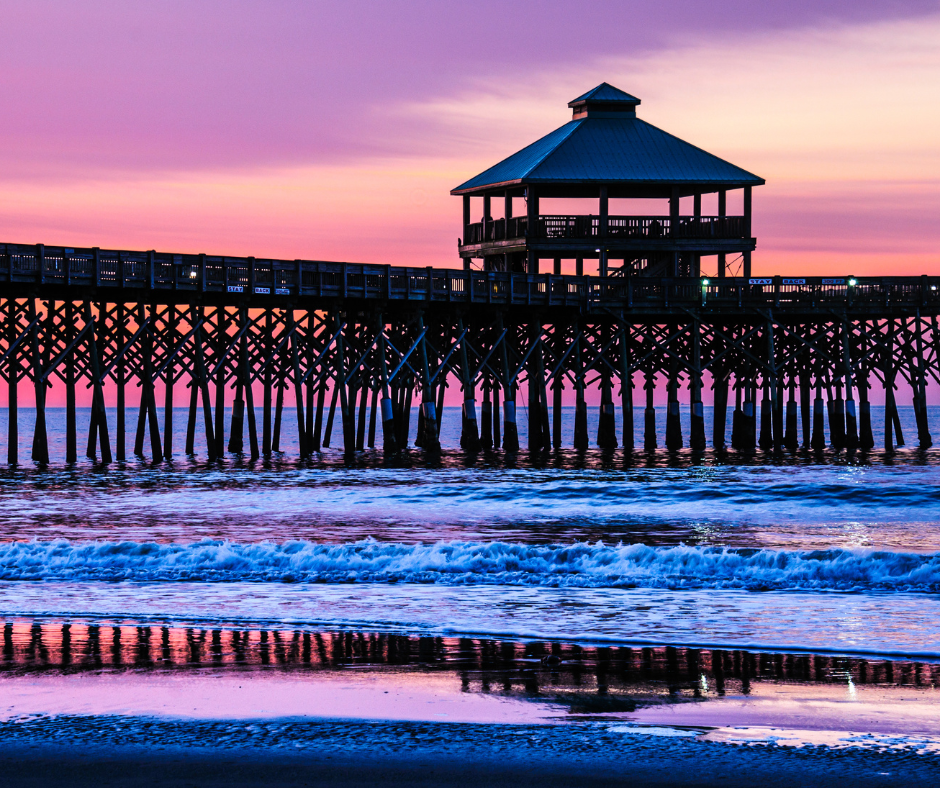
(336, 130)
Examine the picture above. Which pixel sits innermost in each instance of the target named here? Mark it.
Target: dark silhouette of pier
(348, 348)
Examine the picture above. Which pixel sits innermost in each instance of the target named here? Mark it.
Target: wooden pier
(349, 348)
(346, 350)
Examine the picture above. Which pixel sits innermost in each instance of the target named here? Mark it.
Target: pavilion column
(602, 230)
(722, 211)
(487, 210)
(697, 213)
(507, 212)
(532, 221)
(747, 230)
(673, 227)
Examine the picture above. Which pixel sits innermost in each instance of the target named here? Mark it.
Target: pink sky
(336, 130)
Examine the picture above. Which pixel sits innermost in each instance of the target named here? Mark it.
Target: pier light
(852, 281)
(705, 283)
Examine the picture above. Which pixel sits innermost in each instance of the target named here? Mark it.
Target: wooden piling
(222, 324)
(40, 451)
(71, 421)
(649, 415)
(696, 407)
(720, 384)
(169, 379)
(469, 432)
(673, 421)
(13, 375)
(298, 387)
(267, 383)
(510, 431)
(486, 417)
(819, 429)
(580, 405)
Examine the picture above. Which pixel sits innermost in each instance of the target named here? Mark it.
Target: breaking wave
(464, 563)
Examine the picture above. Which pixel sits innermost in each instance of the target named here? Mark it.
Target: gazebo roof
(607, 143)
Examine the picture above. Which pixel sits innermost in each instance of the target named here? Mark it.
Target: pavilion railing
(618, 227)
(110, 272)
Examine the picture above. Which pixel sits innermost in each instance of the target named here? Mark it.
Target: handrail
(618, 227)
(249, 279)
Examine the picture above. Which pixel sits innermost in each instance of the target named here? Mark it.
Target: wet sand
(93, 703)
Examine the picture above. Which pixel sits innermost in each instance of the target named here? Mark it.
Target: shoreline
(98, 751)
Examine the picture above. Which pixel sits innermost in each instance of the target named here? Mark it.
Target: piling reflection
(586, 678)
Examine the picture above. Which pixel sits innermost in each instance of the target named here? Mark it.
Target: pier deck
(358, 343)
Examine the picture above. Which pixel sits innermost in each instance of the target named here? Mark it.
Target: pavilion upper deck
(647, 231)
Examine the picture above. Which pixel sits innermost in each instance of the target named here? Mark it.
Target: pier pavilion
(606, 153)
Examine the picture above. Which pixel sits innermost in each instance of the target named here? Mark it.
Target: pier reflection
(587, 678)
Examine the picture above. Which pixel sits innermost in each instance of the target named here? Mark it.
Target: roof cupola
(604, 101)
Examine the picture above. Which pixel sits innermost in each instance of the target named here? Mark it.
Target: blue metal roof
(611, 150)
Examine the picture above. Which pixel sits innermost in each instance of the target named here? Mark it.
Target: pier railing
(241, 278)
(618, 227)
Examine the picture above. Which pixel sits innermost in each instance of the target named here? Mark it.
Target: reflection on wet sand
(482, 665)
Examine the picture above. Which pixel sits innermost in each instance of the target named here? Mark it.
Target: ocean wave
(579, 564)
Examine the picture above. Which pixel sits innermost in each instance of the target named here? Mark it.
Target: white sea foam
(463, 563)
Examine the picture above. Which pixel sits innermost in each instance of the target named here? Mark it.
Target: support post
(13, 376)
(649, 414)
(428, 405)
(534, 391)
(919, 376)
(819, 429)
(221, 341)
(372, 414)
(790, 438)
(558, 383)
(486, 416)
(349, 435)
(673, 422)
(389, 443)
(40, 452)
(720, 416)
(510, 432)
(469, 432)
(99, 420)
(267, 383)
(71, 438)
(169, 378)
(580, 406)
(361, 415)
(696, 407)
(806, 413)
(298, 386)
(850, 414)
(200, 362)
